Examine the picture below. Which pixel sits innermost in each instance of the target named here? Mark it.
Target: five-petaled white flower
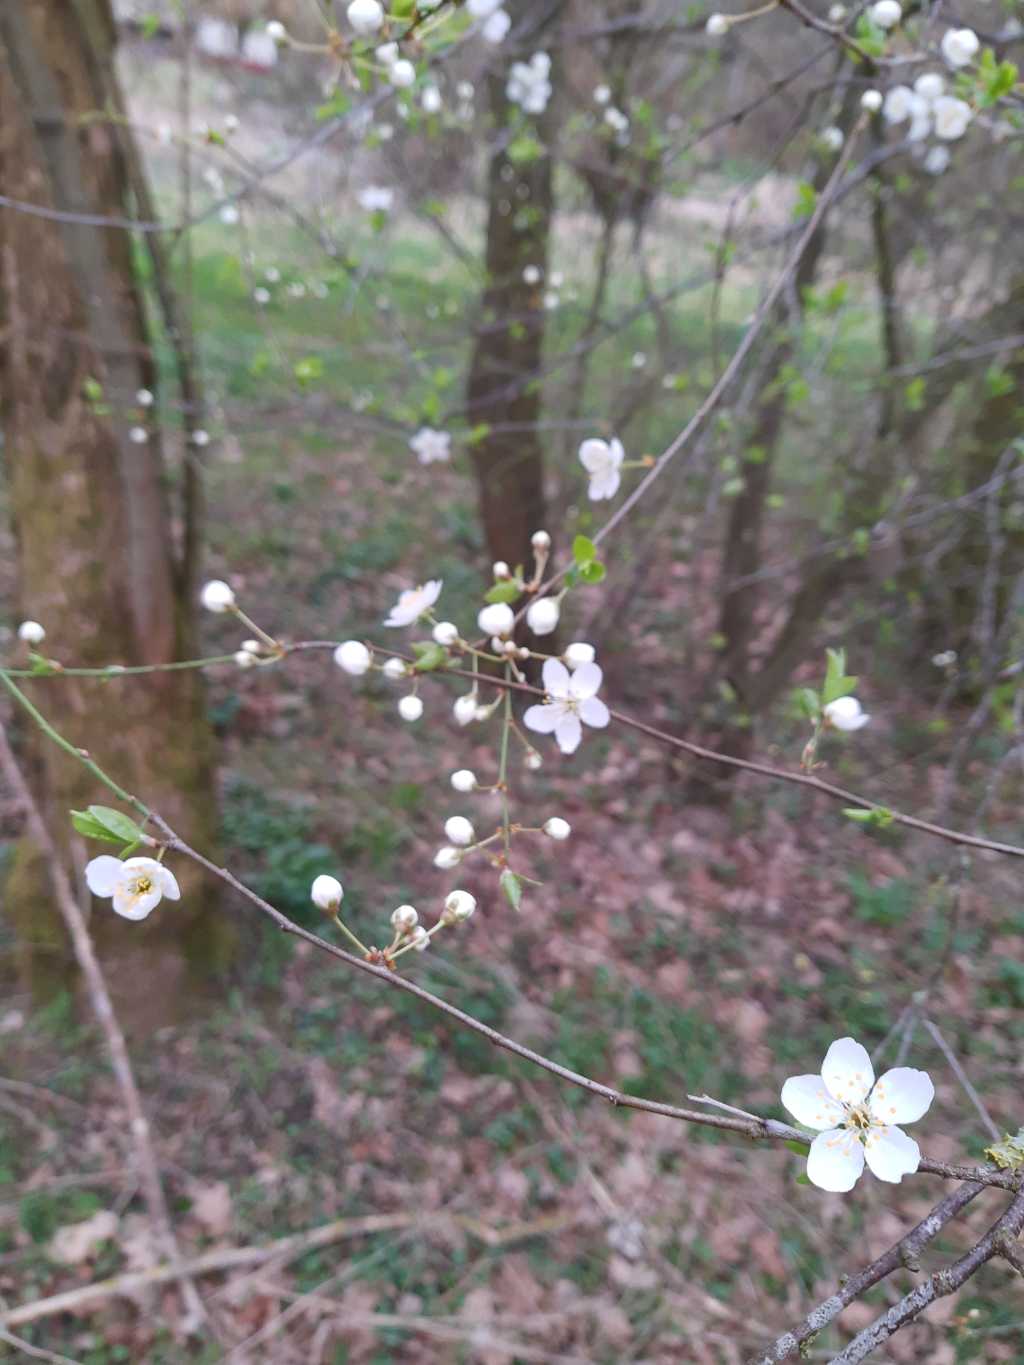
(376, 198)
(430, 445)
(886, 13)
(602, 460)
(414, 602)
(137, 885)
(571, 699)
(845, 713)
(856, 1118)
(529, 85)
(959, 46)
(952, 117)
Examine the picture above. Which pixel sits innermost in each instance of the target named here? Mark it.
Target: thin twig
(964, 1080)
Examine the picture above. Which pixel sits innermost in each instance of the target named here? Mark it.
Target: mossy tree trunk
(91, 511)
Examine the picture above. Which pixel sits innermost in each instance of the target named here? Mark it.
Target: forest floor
(672, 949)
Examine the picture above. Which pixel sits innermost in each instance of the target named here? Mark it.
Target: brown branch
(903, 1253)
(996, 1242)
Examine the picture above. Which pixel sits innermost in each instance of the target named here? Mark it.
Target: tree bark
(90, 509)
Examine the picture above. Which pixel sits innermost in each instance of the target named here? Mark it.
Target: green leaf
(89, 828)
(512, 888)
(809, 702)
(1008, 1155)
(583, 550)
(592, 572)
(429, 655)
(119, 826)
(806, 200)
(800, 1148)
(837, 682)
(505, 591)
(878, 817)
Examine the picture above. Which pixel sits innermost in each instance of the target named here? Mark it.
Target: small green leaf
(837, 682)
(800, 1148)
(512, 888)
(803, 1179)
(809, 702)
(429, 655)
(583, 550)
(593, 571)
(89, 828)
(505, 591)
(120, 827)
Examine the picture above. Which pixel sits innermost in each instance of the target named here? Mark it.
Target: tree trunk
(90, 509)
(504, 391)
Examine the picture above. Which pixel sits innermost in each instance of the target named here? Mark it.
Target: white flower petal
(594, 456)
(902, 1095)
(594, 712)
(135, 907)
(604, 485)
(543, 719)
(847, 1071)
(556, 678)
(835, 1161)
(169, 884)
(891, 1154)
(586, 680)
(810, 1103)
(616, 452)
(568, 732)
(103, 874)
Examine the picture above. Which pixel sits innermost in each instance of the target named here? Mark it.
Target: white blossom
(365, 16)
(952, 117)
(245, 658)
(929, 85)
(837, 14)
(464, 709)
(495, 28)
(557, 829)
(410, 708)
(602, 460)
(402, 73)
(395, 669)
(542, 615)
(200, 437)
(353, 657)
(138, 436)
(31, 633)
(716, 25)
(531, 274)
(446, 633)
(936, 160)
(533, 761)
(832, 138)
(497, 618)
(420, 939)
(217, 596)
(579, 653)
(900, 104)
(529, 85)
(136, 886)
(404, 919)
(430, 100)
(447, 857)
(376, 199)
(602, 94)
(463, 780)
(571, 699)
(326, 893)
(387, 53)
(277, 31)
(855, 1117)
(540, 540)
(412, 603)
(229, 215)
(430, 445)
(500, 569)
(845, 713)
(871, 100)
(959, 46)
(459, 831)
(144, 398)
(483, 9)
(458, 907)
(886, 13)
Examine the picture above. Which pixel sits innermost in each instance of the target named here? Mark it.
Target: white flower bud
(542, 615)
(556, 828)
(326, 894)
(533, 760)
(458, 906)
(395, 669)
(387, 53)
(402, 73)
(365, 16)
(420, 939)
(837, 14)
(353, 657)
(244, 659)
(200, 437)
(845, 713)
(410, 708)
(540, 540)
(464, 780)
(277, 31)
(579, 653)
(138, 436)
(459, 831)
(482, 712)
(501, 570)
(217, 596)
(959, 46)
(251, 646)
(31, 633)
(497, 618)
(716, 25)
(144, 398)
(871, 100)
(464, 709)
(886, 13)
(445, 633)
(447, 857)
(404, 919)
